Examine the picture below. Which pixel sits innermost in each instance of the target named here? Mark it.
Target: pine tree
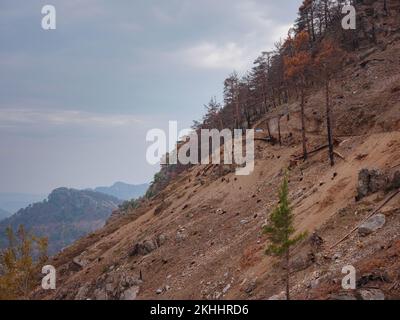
(280, 231)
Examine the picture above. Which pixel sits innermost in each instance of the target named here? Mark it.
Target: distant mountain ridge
(65, 216)
(124, 191)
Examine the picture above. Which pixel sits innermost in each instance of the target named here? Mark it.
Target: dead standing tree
(297, 66)
(328, 61)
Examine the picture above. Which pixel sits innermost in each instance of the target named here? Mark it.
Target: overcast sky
(76, 102)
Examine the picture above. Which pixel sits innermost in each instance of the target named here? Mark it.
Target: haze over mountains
(64, 217)
(12, 202)
(66, 214)
(124, 191)
(4, 214)
(199, 233)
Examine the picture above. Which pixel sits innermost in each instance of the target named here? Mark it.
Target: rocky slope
(201, 237)
(64, 217)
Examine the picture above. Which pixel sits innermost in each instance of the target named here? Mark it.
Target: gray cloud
(75, 103)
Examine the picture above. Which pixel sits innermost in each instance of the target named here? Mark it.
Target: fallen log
(339, 155)
(387, 200)
(262, 139)
(312, 152)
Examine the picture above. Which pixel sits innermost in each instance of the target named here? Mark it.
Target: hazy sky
(76, 102)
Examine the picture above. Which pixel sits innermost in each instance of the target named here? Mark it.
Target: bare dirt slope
(201, 238)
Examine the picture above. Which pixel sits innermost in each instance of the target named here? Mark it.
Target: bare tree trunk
(238, 114)
(279, 131)
(303, 126)
(312, 24)
(287, 275)
(328, 123)
(269, 130)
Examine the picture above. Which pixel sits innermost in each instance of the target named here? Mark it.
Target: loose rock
(372, 224)
(371, 294)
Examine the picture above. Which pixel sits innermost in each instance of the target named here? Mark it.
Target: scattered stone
(361, 156)
(180, 236)
(336, 256)
(280, 296)
(250, 286)
(343, 297)
(373, 224)
(83, 292)
(131, 293)
(149, 246)
(371, 294)
(377, 275)
(316, 240)
(159, 291)
(226, 289)
(314, 283)
(163, 206)
(100, 294)
(80, 261)
(302, 262)
(161, 239)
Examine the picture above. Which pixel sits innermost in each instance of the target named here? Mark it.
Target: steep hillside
(200, 236)
(64, 217)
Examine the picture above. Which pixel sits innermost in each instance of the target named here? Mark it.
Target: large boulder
(377, 181)
(363, 184)
(371, 181)
(373, 224)
(143, 248)
(395, 180)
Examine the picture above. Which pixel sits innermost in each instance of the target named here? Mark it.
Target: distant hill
(65, 216)
(124, 191)
(12, 202)
(4, 214)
